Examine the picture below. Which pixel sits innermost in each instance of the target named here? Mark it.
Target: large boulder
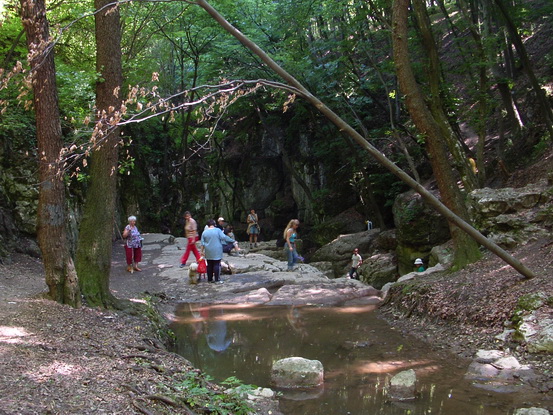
(498, 371)
(379, 269)
(297, 372)
(531, 411)
(510, 216)
(418, 229)
(340, 249)
(536, 330)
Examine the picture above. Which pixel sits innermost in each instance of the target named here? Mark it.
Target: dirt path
(59, 360)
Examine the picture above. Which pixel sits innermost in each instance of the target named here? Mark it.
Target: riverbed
(360, 352)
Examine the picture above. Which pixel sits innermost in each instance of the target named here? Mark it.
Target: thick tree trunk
(378, 156)
(435, 101)
(96, 231)
(466, 249)
(61, 277)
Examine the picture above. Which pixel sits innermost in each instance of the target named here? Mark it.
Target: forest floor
(60, 360)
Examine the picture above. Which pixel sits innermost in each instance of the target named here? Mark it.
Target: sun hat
(221, 219)
(418, 261)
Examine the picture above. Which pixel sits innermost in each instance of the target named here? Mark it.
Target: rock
(488, 356)
(497, 371)
(330, 294)
(419, 228)
(536, 330)
(297, 372)
(379, 269)
(402, 386)
(341, 248)
(531, 411)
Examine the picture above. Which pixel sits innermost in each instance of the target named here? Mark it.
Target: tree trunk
(435, 101)
(466, 249)
(96, 231)
(61, 277)
(378, 156)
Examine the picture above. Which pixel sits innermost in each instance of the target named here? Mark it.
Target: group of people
(216, 239)
(213, 241)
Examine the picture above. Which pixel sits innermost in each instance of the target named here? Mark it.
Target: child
(356, 261)
(419, 265)
(202, 268)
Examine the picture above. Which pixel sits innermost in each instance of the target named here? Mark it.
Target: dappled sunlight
(56, 368)
(356, 309)
(13, 334)
(138, 300)
(392, 367)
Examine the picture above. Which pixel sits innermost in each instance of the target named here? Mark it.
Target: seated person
(230, 247)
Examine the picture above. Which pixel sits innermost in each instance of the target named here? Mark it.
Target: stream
(359, 351)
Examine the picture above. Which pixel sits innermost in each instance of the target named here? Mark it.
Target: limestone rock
(341, 248)
(418, 229)
(378, 269)
(536, 330)
(402, 386)
(531, 411)
(297, 372)
(497, 371)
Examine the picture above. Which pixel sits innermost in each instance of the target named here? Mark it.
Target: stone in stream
(402, 386)
(297, 372)
(531, 411)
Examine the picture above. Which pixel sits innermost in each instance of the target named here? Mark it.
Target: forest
(310, 109)
(379, 123)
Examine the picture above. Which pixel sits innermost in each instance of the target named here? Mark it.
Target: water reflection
(360, 353)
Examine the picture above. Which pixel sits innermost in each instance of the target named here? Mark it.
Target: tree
(95, 234)
(61, 277)
(466, 249)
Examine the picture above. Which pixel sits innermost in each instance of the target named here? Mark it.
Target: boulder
(328, 294)
(498, 371)
(341, 248)
(510, 217)
(536, 330)
(378, 269)
(488, 202)
(531, 411)
(418, 229)
(402, 386)
(297, 372)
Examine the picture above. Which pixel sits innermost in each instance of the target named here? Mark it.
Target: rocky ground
(59, 360)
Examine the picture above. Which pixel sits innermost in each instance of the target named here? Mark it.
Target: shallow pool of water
(359, 352)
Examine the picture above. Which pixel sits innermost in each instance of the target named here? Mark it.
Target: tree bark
(346, 128)
(61, 276)
(466, 249)
(435, 102)
(95, 235)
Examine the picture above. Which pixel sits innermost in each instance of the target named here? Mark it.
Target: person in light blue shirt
(213, 240)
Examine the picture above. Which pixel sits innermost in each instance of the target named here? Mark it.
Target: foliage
(194, 390)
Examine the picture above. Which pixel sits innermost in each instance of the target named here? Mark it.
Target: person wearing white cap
(419, 265)
(221, 223)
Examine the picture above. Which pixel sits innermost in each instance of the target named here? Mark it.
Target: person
(229, 247)
(253, 227)
(221, 223)
(213, 240)
(133, 246)
(191, 233)
(419, 265)
(356, 261)
(290, 235)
